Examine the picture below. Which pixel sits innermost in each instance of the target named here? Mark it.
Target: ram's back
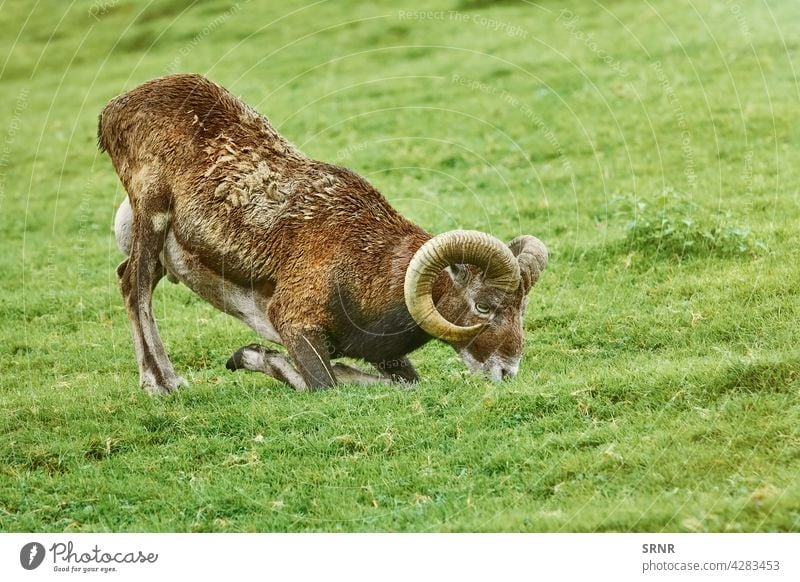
(241, 195)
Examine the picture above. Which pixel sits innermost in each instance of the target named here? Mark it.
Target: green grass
(655, 148)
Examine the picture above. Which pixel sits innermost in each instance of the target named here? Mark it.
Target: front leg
(258, 358)
(298, 316)
(310, 368)
(309, 352)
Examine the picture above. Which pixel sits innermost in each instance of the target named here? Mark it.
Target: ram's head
(479, 310)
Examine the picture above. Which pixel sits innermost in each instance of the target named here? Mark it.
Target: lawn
(653, 146)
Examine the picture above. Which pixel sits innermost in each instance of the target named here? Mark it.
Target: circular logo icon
(31, 555)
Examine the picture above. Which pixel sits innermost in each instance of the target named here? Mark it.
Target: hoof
(234, 362)
(251, 357)
(159, 389)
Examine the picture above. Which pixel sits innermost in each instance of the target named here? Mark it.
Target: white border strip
(388, 557)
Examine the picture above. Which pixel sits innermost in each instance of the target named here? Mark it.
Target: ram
(308, 254)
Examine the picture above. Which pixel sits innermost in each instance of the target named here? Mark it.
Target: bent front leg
(258, 358)
(309, 352)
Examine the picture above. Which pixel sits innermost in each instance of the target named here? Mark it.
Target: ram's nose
(507, 372)
(506, 369)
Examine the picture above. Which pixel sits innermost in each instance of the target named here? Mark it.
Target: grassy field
(653, 146)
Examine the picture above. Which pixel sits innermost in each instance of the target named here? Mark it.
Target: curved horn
(495, 259)
(532, 257)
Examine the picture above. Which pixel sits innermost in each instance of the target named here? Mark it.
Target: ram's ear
(532, 256)
(459, 274)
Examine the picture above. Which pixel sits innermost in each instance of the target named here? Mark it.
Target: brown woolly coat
(253, 208)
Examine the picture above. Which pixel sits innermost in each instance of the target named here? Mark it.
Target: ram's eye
(482, 308)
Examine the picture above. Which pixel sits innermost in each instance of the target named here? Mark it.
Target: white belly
(248, 305)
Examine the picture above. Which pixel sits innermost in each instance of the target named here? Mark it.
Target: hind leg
(123, 232)
(138, 276)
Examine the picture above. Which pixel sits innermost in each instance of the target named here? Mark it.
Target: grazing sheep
(308, 254)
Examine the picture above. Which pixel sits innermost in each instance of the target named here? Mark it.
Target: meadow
(654, 146)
